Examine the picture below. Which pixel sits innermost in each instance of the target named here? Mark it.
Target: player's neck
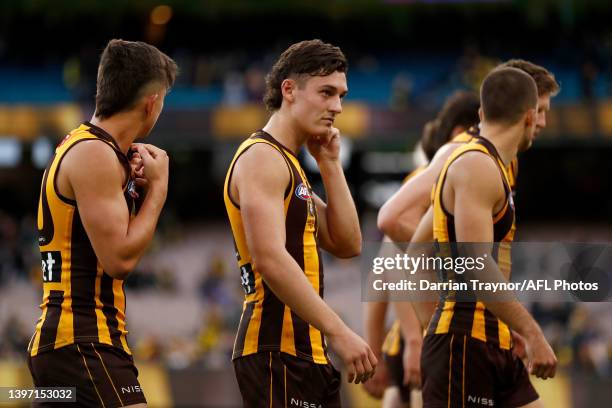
(283, 129)
(120, 127)
(504, 138)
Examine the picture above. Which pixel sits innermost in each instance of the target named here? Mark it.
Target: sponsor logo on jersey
(304, 404)
(487, 402)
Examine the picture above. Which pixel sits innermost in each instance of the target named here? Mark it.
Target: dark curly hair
(460, 109)
(312, 58)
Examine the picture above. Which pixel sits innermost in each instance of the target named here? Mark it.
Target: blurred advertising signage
(241, 121)
(27, 122)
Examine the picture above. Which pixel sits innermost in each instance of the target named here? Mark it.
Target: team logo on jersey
(302, 192)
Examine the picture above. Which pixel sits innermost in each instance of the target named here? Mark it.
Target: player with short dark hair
(458, 114)
(279, 227)
(467, 355)
(91, 236)
(399, 217)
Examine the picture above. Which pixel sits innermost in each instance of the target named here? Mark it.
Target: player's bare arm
(92, 175)
(339, 231)
(423, 309)
(261, 201)
(473, 200)
(399, 217)
(374, 324)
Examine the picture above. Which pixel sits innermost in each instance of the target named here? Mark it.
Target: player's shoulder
(91, 151)
(91, 157)
(262, 163)
(442, 155)
(474, 166)
(262, 155)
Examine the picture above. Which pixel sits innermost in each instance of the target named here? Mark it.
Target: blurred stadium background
(405, 58)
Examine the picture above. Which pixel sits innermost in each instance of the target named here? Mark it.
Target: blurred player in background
(280, 225)
(460, 111)
(467, 355)
(90, 235)
(399, 217)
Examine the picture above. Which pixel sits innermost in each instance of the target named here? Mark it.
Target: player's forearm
(140, 232)
(401, 230)
(391, 222)
(375, 314)
(341, 214)
(409, 323)
(288, 282)
(516, 317)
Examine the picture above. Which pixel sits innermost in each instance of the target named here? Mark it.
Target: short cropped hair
(544, 79)
(312, 58)
(460, 109)
(506, 94)
(126, 68)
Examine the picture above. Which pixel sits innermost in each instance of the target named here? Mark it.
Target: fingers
(351, 371)
(333, 132)
(360, 371)
(143, 152)
(372, 358)
(140, 182)
(148, 150)
(368, 369)
(543, 370)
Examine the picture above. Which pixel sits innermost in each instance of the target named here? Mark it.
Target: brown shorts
(104, 376)
(395, 365)
(275, 379)
(460, 371)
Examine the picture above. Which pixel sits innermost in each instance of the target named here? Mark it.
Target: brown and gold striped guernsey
(472, 318)
(81, 303)
(393, 336)
(266, 323)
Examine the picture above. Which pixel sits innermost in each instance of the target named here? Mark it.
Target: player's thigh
(416, 399)
(141, 405)
(534, 404)
(113, 375)
(392, 398)
(310, 384)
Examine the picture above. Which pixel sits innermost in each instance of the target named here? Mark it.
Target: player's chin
(322, 129)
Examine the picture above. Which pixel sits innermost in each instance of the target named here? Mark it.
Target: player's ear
(288, 87)
(457, 130)
(530, 117)
(480, 115)
(150, 103)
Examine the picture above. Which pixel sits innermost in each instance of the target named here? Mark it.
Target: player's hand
(325, 147)
(541, 360)
(357, 356)
(411, 360)
(376, 385)
(137, 165)
(155, 164)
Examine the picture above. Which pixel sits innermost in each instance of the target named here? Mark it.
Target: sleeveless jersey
(81, 303)
(267, 324)
(472, 318)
